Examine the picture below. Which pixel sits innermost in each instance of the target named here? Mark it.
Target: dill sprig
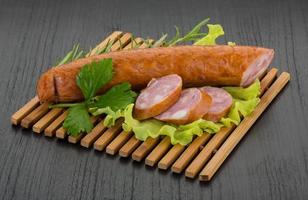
(161, 41)
(72, 55)
(192, 35)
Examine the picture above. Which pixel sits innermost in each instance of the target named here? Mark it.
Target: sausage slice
(221, 103)
(192, 105)
(159, 95)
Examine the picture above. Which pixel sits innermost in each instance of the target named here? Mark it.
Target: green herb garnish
(72, 55)
(195, 35)
(90, 79)
(192, 35)
(77, 120)
(77, 53)
(215, 30)
(116, 98)
(93, 76)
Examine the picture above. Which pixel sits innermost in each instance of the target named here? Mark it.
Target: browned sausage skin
(197, 65)
(159, 95)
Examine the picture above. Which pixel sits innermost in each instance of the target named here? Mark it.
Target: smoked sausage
(217, 65)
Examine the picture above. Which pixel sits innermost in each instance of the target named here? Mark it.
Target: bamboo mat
(202, 157)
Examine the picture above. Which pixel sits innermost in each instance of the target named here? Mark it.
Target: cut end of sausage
(258, 67)
(221, 103)
(192, 105)
(46, 88)
(159, 95)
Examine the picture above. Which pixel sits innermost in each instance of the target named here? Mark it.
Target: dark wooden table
(271, 162)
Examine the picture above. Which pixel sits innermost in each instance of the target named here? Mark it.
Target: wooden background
(270, 163)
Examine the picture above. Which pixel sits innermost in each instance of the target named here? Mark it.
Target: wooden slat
(122, 42)
(96, 132)
(75, 139)
(144, 148)
(61, 133)
(129, 147)
(25, 110)
(171, 156)
(189, 153)
(145, 45)
(108, 135)
(207, 152)
(268, 80)
(118, 142)
(35, 115)
(39, 126)
(51, 129)
(240, 131)
(134, 43)
(158, 152)
(111, 38)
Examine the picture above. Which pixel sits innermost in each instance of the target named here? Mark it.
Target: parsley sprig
(116, 98)
(77, 120)
(90, 79)
(77, 53)
(93, 76)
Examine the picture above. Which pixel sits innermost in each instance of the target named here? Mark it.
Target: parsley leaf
(116, 98)
(93, 76)
(77, 120)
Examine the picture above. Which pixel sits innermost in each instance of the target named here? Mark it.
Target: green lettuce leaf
(239, 108)
(111, 116)
(215, 30)
(248, 93)
(231, 43)
(244, 102)
(153, 128)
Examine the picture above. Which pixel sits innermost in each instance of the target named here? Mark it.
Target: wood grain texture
(271, 162)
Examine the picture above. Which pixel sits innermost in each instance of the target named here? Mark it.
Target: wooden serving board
(202, 157)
